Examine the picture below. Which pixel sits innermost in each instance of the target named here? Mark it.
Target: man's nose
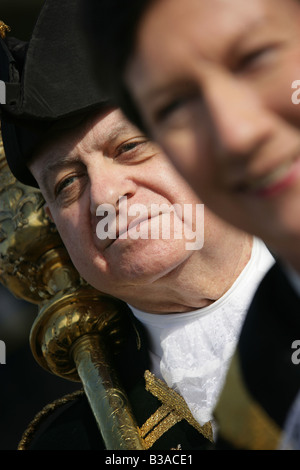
(108, 185)
(238, 118)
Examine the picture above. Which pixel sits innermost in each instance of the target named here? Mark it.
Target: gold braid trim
(241, 420)
(42, 415)
(159, 423)
(173, 410)
(3, 29)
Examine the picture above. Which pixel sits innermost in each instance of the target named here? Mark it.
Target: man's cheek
(69, 235)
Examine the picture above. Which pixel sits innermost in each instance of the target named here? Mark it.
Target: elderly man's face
(213, 80)
(108, 159)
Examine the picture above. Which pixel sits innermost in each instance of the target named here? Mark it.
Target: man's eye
(70, 189)
(130, 149)
(128, 146)
(64, 184)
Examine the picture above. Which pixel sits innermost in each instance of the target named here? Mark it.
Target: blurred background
(20, 15)
(25, 388)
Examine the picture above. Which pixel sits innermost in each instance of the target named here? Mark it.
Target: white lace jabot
(191, 351)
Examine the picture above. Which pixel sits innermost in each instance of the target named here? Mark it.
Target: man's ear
(48, 212)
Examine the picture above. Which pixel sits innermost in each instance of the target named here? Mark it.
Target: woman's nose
(239, 120)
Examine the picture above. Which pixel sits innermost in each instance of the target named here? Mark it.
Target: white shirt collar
(245, 285)
(191, 351)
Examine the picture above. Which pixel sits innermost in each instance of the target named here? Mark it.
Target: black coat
(263, 380)
(70, 425)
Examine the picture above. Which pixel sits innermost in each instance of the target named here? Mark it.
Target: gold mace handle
(110, 405)
(73, 338)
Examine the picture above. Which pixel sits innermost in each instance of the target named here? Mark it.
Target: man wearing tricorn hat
(61, 134)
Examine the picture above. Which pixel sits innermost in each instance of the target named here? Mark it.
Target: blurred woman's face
(213, 80)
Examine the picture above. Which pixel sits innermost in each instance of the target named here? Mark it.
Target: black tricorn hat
(47, 80)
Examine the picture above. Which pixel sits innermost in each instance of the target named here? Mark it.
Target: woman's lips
(275, 181)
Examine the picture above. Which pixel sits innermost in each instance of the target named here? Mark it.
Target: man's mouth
(123, 232)
(130, 230)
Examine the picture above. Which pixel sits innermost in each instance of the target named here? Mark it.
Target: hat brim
(49, 79)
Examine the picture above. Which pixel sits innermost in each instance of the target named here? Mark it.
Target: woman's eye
(254, 59)
(179, 106)
(170, 108)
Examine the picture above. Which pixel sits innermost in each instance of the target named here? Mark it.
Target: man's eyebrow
(118, 130)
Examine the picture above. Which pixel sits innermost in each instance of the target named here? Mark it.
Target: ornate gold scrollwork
(3, 29)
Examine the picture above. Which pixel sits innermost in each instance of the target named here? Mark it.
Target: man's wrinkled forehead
(63, 137)
(93, 134)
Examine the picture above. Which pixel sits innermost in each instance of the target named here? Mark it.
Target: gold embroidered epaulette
(173, 410)
(42, 415)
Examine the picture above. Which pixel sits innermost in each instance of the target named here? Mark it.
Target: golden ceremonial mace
(77, 329)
